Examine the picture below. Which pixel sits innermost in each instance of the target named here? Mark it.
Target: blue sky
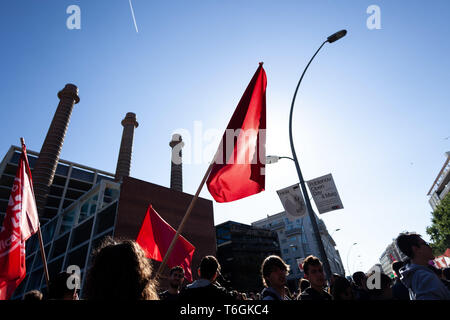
(372, 109)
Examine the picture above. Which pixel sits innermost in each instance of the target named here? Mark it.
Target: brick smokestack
(126, 146)
(44, 170)
(176, 172)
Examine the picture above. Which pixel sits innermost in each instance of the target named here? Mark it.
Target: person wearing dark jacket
(399, 291)
(313, 269)
(421, 281)
(206, 289)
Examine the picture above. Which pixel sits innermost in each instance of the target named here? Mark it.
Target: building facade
(297, 241)
(71, 181)
(391, 254)
(441, 185)
(241, 250)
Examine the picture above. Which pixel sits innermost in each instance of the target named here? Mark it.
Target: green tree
(439, 230)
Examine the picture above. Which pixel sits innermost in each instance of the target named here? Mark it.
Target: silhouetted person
(33, 295)
(422, 282)
(274, 272)
(399, 291)
(360, 290)
(385, 290)
(302, 286)
(120, 271)
(206, 289)
(341, 289)
(176, 278)
(313, 269)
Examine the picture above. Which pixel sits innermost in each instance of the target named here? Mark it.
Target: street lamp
(274, 159)
(349, 255)
(334, 37)
(334, 232)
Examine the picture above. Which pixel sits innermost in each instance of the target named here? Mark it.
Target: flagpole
(41, 243)
(44, 260)
(188, 212)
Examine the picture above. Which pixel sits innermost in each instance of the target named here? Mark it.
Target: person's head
(274, 272)
(176, 277)
(33, 295)
(360, 279)
(209, 268)
(385, 290)
(341, 289)
(313, 269)
(413, 246)
(120, 271)
(304, 284)
(396, 266)
(58, 288)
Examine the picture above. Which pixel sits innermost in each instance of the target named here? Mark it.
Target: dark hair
(340, 286)
(304, 284)
(120, 271)
(405, 242)
(175, 269)
(396, 265)
(310, 261)
(33, 295)
(268, 266)
(386, 282)
(358, 278)
(57, 288)
(208, 267)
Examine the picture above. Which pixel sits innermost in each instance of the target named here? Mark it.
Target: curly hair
(120, 271)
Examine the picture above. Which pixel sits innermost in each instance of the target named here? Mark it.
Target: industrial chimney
(126, 146)
(176, 172)
(45, 167)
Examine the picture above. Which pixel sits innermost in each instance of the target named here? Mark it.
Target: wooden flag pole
(44, 260)
(188, 212)
(41, 243)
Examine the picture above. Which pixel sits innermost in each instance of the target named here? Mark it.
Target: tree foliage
(439, 230)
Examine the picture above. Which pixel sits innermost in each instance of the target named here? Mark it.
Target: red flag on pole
(238, 171)
(155, 237)
(21, 222)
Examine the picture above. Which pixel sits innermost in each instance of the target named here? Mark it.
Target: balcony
(293, 231)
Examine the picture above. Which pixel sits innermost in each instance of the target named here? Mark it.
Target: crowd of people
(121, 271)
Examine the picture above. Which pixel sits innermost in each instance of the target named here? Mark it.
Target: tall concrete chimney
(126, 146)
(44, 170)
(176, 172)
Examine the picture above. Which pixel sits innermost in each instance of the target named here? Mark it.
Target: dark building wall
(241, 251)
(136, 195)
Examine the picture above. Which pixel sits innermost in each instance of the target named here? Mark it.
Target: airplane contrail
(134, 19)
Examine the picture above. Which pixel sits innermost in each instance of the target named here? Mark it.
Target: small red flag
(238, 171)
(155, 237)
(21, 222)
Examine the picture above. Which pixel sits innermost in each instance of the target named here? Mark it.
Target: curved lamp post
(349, 255)
(334, 37)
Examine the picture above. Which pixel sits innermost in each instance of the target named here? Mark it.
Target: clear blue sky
(373, 109)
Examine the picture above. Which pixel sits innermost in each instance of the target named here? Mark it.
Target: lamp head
(336, 36)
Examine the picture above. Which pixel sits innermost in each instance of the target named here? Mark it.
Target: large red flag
(238, 171)
(21, 222)
(155, 237)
